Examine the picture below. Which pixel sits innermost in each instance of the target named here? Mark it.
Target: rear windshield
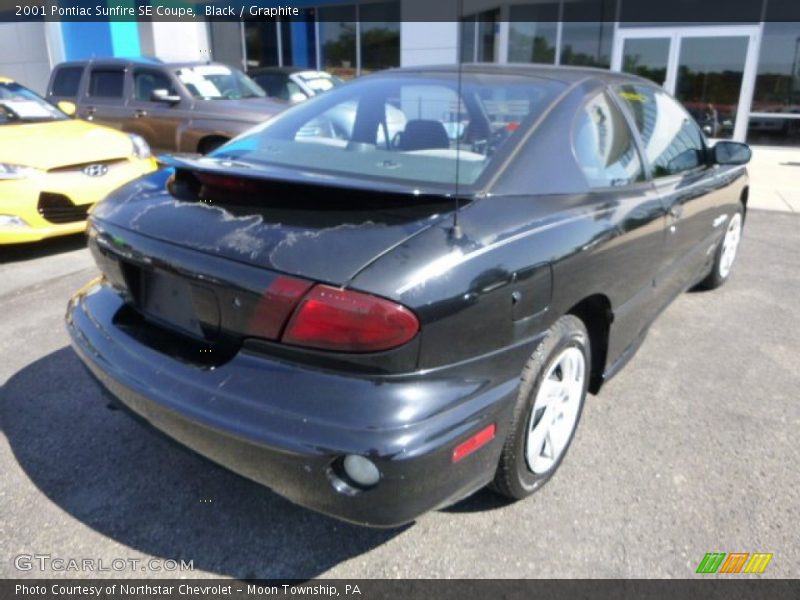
(430, 129)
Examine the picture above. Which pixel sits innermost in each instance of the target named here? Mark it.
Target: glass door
(711, 70)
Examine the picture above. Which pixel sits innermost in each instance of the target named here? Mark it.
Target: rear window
(431, 129)
(106, 83)
(67, 81)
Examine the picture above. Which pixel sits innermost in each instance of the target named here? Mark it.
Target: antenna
(455, 231)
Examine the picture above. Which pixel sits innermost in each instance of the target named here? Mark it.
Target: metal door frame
(676, 36)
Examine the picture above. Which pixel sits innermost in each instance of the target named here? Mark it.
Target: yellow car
(54, 168)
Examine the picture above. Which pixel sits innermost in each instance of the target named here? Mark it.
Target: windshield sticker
(28, 109)
(633, 97)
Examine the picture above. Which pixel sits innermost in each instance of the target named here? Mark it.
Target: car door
(157, 121)
(105, 97)
(632, 218)
(684, 178)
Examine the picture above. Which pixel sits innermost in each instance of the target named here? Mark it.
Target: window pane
(486, 36)
(588, 42)
(604, 146)
(646, 57)
(672, 140)
(532, 33)
(468, 28)
(106, 84)
(778, 79)
(145, 82)
(478, 37)
(261, 43)
(67, 81)
(337, 34)
(380, 36)
(710, 71)
(774, 131)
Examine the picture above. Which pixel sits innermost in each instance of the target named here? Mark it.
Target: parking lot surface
(692, 448)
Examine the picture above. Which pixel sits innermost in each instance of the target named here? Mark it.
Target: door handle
(89, 111)
(140, 113)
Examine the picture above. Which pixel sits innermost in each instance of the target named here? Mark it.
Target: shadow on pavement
(482, 501)
(21, 252)
(140, 490)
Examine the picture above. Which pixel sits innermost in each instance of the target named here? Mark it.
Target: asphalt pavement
(692, 448)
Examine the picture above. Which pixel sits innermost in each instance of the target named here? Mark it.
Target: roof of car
(558, 73)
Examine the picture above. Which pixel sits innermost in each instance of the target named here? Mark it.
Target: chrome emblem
(95, 170)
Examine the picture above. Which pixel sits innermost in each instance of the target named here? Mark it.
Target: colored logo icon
(735, 562)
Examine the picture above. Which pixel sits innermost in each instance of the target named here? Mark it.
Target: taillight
(330, 318)
(226, 182)
(275, 305)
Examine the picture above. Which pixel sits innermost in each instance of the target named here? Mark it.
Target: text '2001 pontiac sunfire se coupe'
(376, 321)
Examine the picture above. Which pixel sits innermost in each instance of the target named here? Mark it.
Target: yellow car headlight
(12, 221)
(8, 171)
(141, 149)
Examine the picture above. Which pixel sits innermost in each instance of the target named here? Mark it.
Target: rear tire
(549, 406)
(725, 255)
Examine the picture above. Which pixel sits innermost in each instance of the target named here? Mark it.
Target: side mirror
(163, 95)
(68, 108)
(731, 153)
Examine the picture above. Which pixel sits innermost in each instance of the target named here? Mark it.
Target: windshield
(423, 128)
(20, 105)
(218, 82)
(319, 81)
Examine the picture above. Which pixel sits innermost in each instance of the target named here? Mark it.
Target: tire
(725, 254)
(566, 340)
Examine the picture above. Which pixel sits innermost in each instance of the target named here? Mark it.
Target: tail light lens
(275, 306)
(329, 318)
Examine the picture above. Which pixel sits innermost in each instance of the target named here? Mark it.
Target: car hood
(252, 110)
(60, 143)
(302, 228)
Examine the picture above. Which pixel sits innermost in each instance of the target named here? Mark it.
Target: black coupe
(379, 320)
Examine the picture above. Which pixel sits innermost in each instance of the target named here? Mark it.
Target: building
(740, 80)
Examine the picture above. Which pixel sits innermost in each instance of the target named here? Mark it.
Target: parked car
(375, 328)
(53, 168)
(293, 84)
(182, 107)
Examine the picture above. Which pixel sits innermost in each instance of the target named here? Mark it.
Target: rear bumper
(285, 425)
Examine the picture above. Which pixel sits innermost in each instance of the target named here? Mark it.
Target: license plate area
(169, 300)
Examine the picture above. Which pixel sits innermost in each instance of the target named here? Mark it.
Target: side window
(673, 142)
(106, 83)
(146, 81)
(67, 81)
(604, 145)
(274, 85)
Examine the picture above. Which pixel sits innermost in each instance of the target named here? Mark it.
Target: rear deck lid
(279, 219)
